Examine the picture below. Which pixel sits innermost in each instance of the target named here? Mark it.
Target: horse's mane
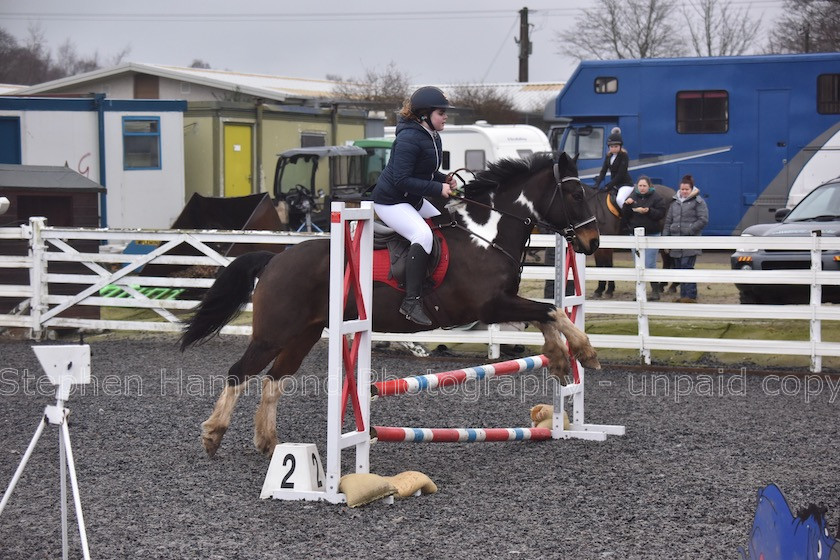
(502, 171)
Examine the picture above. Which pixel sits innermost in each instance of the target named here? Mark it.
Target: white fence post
(816, 300)
(38, 276)
(641, 294)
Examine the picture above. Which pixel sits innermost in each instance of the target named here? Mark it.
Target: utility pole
(524, 43)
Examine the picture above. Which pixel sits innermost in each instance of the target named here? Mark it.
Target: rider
(410, 175)
(616, 162)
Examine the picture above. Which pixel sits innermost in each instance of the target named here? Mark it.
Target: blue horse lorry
(757, 133)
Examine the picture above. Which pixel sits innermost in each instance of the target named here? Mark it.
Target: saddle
(612, 203)
(390, 253)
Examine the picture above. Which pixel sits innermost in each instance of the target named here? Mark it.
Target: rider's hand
(445, 190)
(629, 200)
(453, 184)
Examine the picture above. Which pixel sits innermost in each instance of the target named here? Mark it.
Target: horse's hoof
(266, 446)
(590, 362)
(211, 445)
(211, 440)
(609, 295)
(597, 295)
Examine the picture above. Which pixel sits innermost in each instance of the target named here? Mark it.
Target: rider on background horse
(410, 175)
(617, 163)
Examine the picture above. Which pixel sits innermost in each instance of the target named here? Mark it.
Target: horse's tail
(225, 298)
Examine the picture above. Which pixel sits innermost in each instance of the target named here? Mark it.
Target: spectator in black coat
(645, 208)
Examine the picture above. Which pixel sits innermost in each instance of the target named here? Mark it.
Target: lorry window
(828, 94)
(605, 84)
(702, 111)
(474, 160)
(524, 153)
(585, 146)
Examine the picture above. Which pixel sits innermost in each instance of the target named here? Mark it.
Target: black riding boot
(415, 274)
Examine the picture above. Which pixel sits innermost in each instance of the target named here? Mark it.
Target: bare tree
(69, 63)
(384, 91)
(806, 26)
(623, 29)
(198, 63)
(485, 103)
(33, 62)
(718, 29)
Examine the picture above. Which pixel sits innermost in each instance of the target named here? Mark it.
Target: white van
(474, 146)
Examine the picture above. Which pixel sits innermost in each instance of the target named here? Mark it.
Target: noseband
(569, 232)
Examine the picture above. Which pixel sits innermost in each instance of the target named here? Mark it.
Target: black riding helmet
(427, 99)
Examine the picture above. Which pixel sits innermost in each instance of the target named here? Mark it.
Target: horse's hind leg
(255, 358)
(287, 363)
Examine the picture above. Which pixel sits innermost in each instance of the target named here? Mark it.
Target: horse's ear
(576, 158)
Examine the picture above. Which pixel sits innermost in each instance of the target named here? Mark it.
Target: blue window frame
(141, 142)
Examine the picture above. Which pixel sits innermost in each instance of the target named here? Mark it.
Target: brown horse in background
(609, 224)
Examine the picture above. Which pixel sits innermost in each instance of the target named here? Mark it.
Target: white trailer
(474, 146)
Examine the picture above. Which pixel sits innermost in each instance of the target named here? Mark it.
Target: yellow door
(238, 164)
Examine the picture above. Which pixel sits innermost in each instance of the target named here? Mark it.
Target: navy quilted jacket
(412, 170)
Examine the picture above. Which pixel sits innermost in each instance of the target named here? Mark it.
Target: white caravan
(474, 146)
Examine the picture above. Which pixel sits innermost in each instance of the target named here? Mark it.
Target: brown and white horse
(486, 238)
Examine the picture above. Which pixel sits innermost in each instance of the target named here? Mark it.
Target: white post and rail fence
(112, 281)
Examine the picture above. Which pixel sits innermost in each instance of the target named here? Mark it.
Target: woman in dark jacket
(616, 163)
(645, 208)
(687, 215)
(410, 176)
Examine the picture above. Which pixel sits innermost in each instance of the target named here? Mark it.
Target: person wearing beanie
(616, 163)
(645, 208)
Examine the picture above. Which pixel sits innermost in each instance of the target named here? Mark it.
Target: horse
(609, 224)
(487, 237)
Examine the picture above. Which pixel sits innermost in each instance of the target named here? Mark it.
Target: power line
(498, 52)
(321, 17)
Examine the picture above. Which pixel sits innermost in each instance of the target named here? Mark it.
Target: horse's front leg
(578, 341)
(552, 322)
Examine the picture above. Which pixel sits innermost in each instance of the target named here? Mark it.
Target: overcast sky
(430, 41)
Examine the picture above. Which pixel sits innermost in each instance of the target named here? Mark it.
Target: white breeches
(408, 222)
(622, 194)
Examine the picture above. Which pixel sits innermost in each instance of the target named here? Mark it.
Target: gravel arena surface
(681, 484)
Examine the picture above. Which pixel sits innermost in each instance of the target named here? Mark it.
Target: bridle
(569, 233)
